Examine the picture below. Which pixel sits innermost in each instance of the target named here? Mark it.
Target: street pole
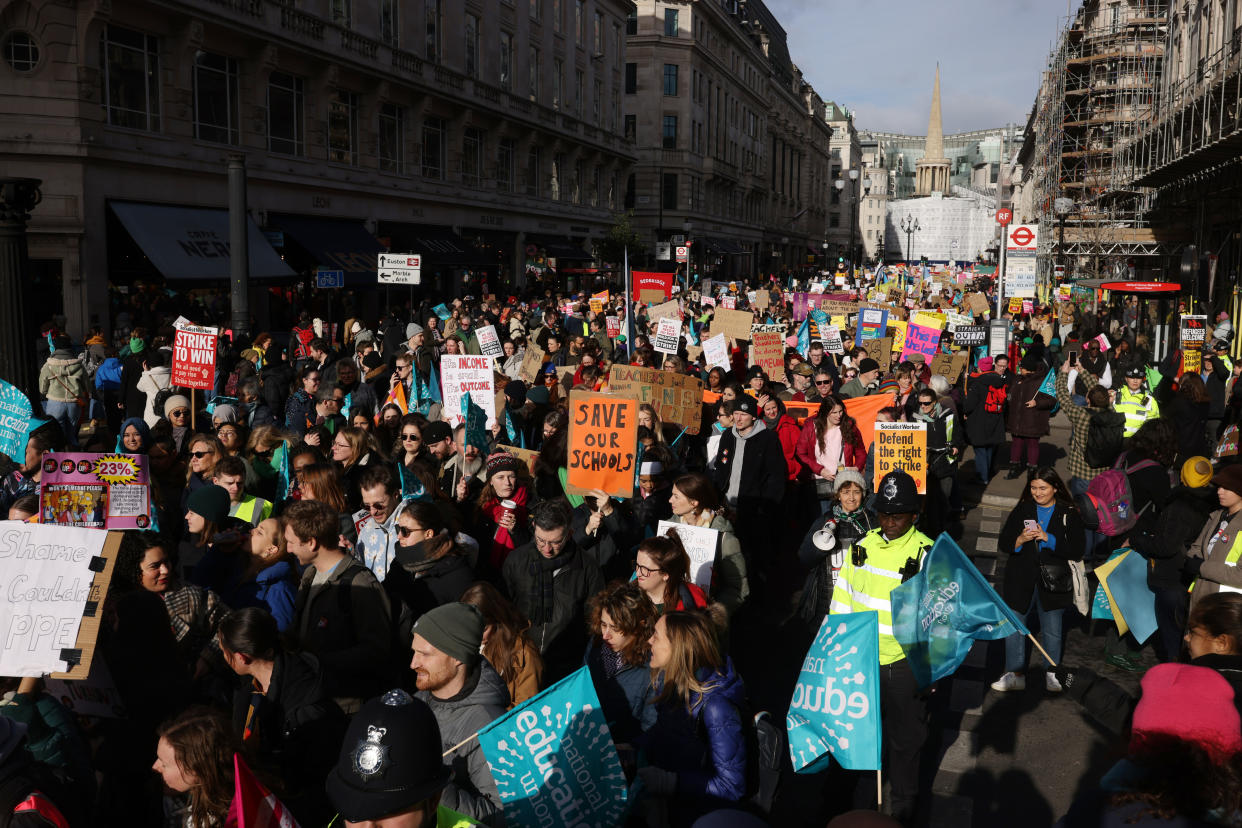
(629, 306)
(239, 250)
(1000, 273)
(18, 196)
(853, 219)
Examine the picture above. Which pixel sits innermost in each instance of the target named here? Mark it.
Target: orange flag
(396, 395)
(864, 409)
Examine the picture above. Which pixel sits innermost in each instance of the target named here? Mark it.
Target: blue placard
(15, 414)
(329, 278)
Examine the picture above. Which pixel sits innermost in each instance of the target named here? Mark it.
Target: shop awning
(437, 244)
(723, 247)
(192, 243)
(560, 248)
(336, 244)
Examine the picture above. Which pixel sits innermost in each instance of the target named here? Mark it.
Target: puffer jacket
(787, 432)
(705, 745)
(471, 789)
(63, 377)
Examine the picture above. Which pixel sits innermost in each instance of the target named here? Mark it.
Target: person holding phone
(1041, 535)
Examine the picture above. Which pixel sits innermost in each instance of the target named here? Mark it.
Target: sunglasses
(405, 531)
(823, 382)
(411, 438)
(926, 403)
(199, 455)
(180, 412)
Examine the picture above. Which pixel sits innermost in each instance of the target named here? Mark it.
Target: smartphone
(1073, 357)
(1030, 525)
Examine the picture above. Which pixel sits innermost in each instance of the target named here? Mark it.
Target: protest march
(654, 552)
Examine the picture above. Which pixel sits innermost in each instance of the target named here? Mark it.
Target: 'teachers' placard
(194, 357)
(676, 398)
(603, 443)
(901, 446)
(769, 354)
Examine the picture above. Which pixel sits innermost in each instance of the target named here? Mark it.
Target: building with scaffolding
(1098, 91)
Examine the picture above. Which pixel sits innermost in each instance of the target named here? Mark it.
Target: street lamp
(686, 227)
(823, 260)
(1062, 207)
(910, 225)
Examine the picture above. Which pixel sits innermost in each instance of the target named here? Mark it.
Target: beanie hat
(502, 461)
(412, 330)
(1194, 704)
(850, 476)
(1196, 472)
(174, 402)
(210, 501)
(868, 364)
(985, 364)
(137, 345)
(1230, 477)
(746, 405)
(390, 759)
(515, 392)
(454, 629)
(224, 413)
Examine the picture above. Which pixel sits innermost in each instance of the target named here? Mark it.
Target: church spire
(931, 172)
(935, 129)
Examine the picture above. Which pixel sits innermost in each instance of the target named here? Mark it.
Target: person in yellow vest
(1135, 404)
(879, 562)
(390, 773)
(230, 475)
(1214, 560)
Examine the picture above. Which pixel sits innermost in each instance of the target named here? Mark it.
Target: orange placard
(901, 446)
(801, 411)
(864, 409)
(711, 397)
(603, 443)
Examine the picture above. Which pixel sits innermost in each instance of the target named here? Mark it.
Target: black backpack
(1105, 435)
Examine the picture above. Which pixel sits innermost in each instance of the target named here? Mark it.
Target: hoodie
(471, 789)
(735, 473)
(63, 377)
(152, 382)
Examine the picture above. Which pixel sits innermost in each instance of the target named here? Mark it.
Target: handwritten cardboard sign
(532, 361)
(734, 323)
(470, 375)
(901, 446)
(769, 354)
(978, 303)
(603, 443)
(950, 366)
(676, 398)
(716, 351)
(665, 310)
(881, 350)
(920, 340)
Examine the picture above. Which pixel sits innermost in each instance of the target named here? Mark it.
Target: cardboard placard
(676, 398)
(734, 323)
(532, 361)
(527, 456)
(768, 352)
(834, 307)
(950, 366)
(700, 543)
(603, 443)
(901, 446)
(970, 335)
(881, 350)
(767, 327)
(94, 696)
(978, 303)
(194, 357)
(649, 296)
(762, 299)
(665, 310)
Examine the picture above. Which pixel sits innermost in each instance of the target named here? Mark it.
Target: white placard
(45, 581)
(832, 340)
(716, 351)
(467, 374)
(668, 335)
(700, 543)
(489, 341)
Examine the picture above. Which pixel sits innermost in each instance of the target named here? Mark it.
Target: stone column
(18, 196)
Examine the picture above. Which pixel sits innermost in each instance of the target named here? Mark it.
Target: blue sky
(878, 57)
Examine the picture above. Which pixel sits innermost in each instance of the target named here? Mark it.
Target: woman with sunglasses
(177, 415)
(204, 452)
(410, 448)
(428, 568)
(300, 407)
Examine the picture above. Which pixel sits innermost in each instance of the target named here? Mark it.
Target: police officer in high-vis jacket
(880, 561)
(1136, 404)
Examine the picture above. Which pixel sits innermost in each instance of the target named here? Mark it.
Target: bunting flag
(254, 806)
(940, 612)
(864, 411)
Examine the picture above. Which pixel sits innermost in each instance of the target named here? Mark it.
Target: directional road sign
(400, 268)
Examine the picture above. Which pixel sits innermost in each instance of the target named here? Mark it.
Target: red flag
(254, 806)
(864, 409)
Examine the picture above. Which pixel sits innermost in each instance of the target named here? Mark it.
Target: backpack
(1108, 505)
(995, 402)
(1104, 440)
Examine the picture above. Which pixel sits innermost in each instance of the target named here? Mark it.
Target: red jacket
(853, 455)
(787, 432)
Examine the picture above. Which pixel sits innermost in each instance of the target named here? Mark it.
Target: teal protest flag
(835, 710)
(411, 487)
(476, 423)
(284, 477)
(940, 612)
(15, 416)
(516, 438)
(554, 761)
(1049, 385)
(804, 337)
(441, 310)
(1135, 600)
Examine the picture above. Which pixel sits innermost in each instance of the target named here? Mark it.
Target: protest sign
(676, 398)
(881, 350)
(1015, 304)
(1227, 446)
(666, 310)
(832, 340)
(716, 351)
(762, 299)
(667, 336)
(929, 320)
(468, 375)
(902, 446)
(970, 335)
(1103, 340)
(15, 414)
(651, 297)
(194, 357)
(54, 580)
(700, 544)
(612, 324)
(598, 301)
(100, 491)
(729, 302)
(1028, 306)
(826, 720)
(489, 341)
(734, 323)
(898, 328)
(94, 695)
(554, 761)
(871, 325)
(767, 327)
(957, 320)
(920, 340)
(532, 361)
(1193, 334)
(650, 286)
(769, 354)
(949, 366)
(835, 307)
(603, 440)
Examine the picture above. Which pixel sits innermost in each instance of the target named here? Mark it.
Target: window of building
(670, 23)
(533, 80)
(558, 78)
(612, 192)
(505, 151)
(472, 45)
(558, 15)
(631, 23)
(431, 10)
(284, 114)
(391, 148)
(433, 148)
(472, 156)
(580, 22)
(631, 78)
(216, 112)
(670, 132)
(579, 89)
(558, 168)
(21, 52)
(597, 182)
(668, 194)
(343, 127)
(597, 103)
(834, 220)
(575, 186)
(131, 78)
(616, 109)
(599, 34)
(343, 13)
(506, 60)
(631, 126)
(390, 28)
(629, 191)
(533, 185)
(670, 79)
(536, 10)
(618, 45)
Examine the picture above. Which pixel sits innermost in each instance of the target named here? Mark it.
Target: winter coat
(788, 433)
(983, 427)
(822, 565)
(1022, 567)
(274, 588)
(1023, 421)
(650, 510)
(705, 746)
(1163, 542)
(560, 640)
(944, 433)
(131, 374)
(1190, 421)
(471, 789)
(618, 533)
(63, 378)
(853, 455)
(1215, 569)
(299, 410)
(415, 585)
(1216, 381)
(762, 484)
(730, 586)
(624, 696)
(152, 382)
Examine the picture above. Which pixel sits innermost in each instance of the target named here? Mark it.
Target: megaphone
(825, 539)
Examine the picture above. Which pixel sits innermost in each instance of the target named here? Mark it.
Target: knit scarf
(542, 596)
(502, 539)
(611, 661)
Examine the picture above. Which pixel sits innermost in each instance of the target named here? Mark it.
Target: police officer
(880, 561)
(390, 772)
(1137, 405)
